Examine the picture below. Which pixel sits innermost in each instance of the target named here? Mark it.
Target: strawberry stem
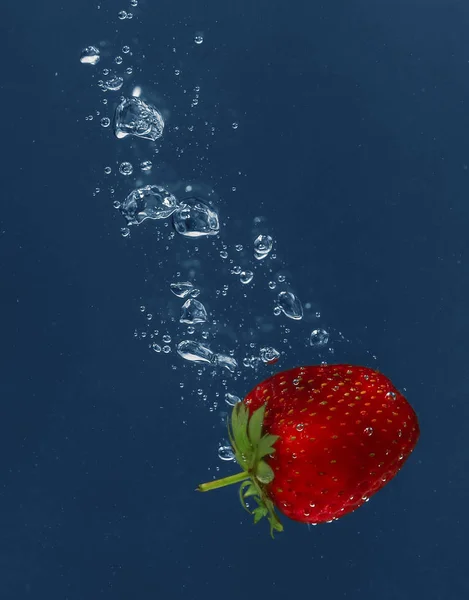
(219, 483)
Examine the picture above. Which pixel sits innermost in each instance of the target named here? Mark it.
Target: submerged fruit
(316, 442)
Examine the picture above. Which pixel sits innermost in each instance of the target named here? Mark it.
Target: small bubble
(113, 85)
(125, 49)
(125, 231)
(290, 305)
(391, 395)
(235, 125)
(224, 254)
(107, 171)
(156, 347)
(129, 70)
(105, 122)
(90, 55)
(118, 60)
(300, 427)
(269, 355)
(166, 339)
(281, 278)
(368, 431)
(116, 204)
(122, 15)
(146, 165)
(126, 168)
(238, 247)
(318, 338)
(198, 38)
(246, 277)
(226, 453)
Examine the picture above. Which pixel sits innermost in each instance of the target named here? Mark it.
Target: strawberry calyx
(250, 446)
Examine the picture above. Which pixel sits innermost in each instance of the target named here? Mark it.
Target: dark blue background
(353, 143)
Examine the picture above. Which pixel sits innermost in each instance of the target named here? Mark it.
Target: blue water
(351, 145)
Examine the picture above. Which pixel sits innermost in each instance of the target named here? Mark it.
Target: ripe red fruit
(316, 442)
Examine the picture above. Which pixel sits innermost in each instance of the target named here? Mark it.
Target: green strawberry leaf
(255, 425)
(275, 525)
(239, 431)
(241, 494)
(264, 472)
(251, 491)
(259, 513)
(239, 459)
(265, 444)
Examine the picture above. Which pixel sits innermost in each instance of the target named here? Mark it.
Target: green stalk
(219, 483)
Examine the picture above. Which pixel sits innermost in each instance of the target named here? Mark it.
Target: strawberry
(317, 442)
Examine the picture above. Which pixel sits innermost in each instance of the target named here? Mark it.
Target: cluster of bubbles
(192, 213)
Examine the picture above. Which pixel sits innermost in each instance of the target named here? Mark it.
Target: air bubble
(318, 338)
(226, 453)
(246, 277)
(126, 168)
(231, 399)
(89, 55)
(290, 305)
(146, 165)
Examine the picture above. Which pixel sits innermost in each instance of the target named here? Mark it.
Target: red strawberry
(316, 442)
